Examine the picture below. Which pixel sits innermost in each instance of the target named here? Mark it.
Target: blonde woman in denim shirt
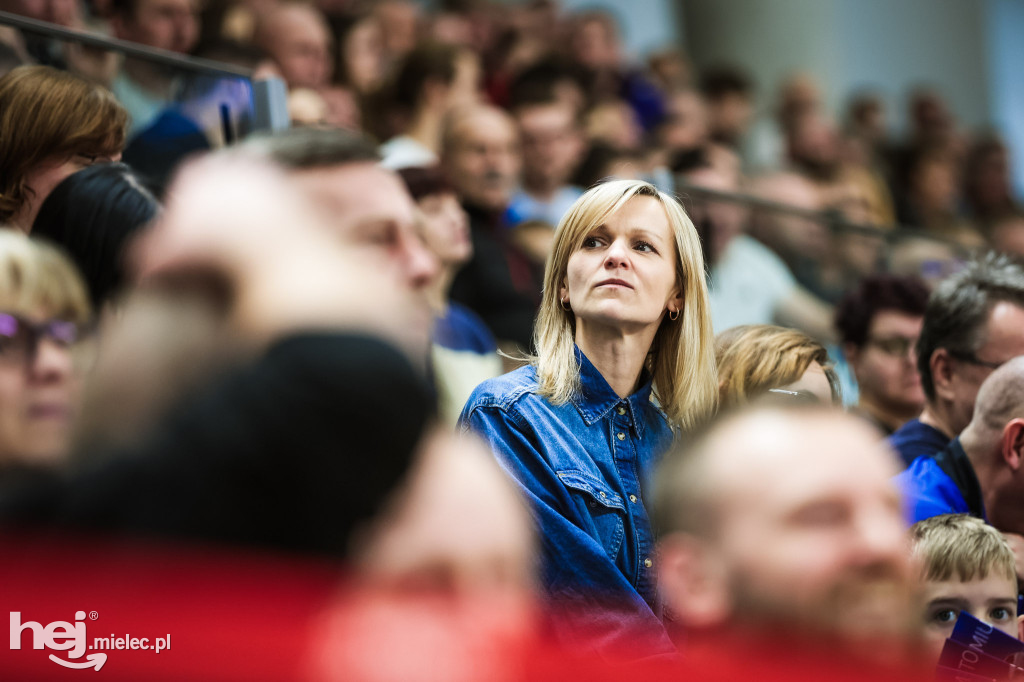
(625, 358)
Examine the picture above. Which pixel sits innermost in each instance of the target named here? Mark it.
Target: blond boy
(965, 565)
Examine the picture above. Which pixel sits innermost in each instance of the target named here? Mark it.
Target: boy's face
(992, 600)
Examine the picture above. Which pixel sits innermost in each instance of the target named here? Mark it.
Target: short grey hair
(958, 309)
(306, 148)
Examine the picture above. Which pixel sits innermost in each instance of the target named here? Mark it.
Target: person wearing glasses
(974, 322)
(768, 363)
(878, 324)
(44, 314)
(624, 356)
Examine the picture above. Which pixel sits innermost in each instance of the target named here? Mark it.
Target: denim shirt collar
(596, 398)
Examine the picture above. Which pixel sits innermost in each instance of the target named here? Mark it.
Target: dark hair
(958, 310)
(426, 62)
(874, 294)
(538, 84)
(92, 215)
(425, 181)
(593, 167)
(725, 80)
(302, 148)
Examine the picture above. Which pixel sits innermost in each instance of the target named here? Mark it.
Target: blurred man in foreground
(784, 526)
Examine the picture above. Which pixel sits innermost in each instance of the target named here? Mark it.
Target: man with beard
(784, 524)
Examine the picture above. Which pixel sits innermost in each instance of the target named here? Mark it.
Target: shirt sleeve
(593, 604)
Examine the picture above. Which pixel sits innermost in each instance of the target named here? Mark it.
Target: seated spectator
(973, 323)
(986, 173)
(551, 145)
(51, 124)
(44, 320)
(782, 527)
(430, 82)
(932, 198)
(145, 88)
(879, 323)
(756, 360)
(464, 352)
(480, 157)
(749, 283)
(967, 566)
(624, 317)
(729, 94)
(799, 240)
(978, 472)
(298, 39)
(1007, 235)
(93, 215)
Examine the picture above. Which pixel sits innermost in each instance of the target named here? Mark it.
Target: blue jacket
(943, 484)
(583, 467)
(916, 439)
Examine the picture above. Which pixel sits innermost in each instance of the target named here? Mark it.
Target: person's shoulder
(504, 391)
(462, 329)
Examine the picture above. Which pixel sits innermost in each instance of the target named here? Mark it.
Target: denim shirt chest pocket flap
(601, 510)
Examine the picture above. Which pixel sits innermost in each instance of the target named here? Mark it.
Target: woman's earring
(673, 315)
(565, 304)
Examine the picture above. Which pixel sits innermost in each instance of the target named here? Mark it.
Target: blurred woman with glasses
(44, 312)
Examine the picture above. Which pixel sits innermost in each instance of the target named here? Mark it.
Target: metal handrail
(164, 57)
(830, 218)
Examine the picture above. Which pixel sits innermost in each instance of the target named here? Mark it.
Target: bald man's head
(296, 35)
(784, 518)
(480, 154)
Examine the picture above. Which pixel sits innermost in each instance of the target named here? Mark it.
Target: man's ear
(941, 364)
(1011, 446)
(693, 581)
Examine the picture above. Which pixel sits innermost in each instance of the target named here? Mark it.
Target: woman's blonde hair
(754, 358)
(46, 113)
(36, 278)
(681, 358)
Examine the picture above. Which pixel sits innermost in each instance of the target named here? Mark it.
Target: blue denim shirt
(581, 466)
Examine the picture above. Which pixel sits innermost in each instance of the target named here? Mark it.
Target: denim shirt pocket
(602, 511)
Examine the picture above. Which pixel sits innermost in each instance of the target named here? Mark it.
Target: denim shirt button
(621, 410)
(648, 563)
(632, 498)
(620, 435)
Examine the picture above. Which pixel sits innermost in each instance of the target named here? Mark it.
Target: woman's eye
(591, 242)
(644, 247)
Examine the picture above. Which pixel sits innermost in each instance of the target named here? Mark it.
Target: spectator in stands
(145, 88)
(974, 322)
(44, 320)
(782, 526)
(399, 22)
(879, 323)
(987, 182)
(979, 472)
(51, 124)
(430, 82)
(749, 283)
(966, 566)
(359, 58)
(298, 39)
(755, 360)
(93, 215)
(729, 94)
(797, 239)
(464, 352)
(365, 205)
(552, 146)
(624, 318)
(1007, 235)
(480, 156)
(932, 199)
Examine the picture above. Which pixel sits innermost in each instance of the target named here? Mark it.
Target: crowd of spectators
(573, 343)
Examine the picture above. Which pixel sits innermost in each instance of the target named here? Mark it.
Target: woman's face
(815, 382)
(623, 275)
(445, 228)
(41, 180)
(39, 389)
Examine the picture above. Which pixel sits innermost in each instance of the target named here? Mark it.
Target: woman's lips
(615, 283)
